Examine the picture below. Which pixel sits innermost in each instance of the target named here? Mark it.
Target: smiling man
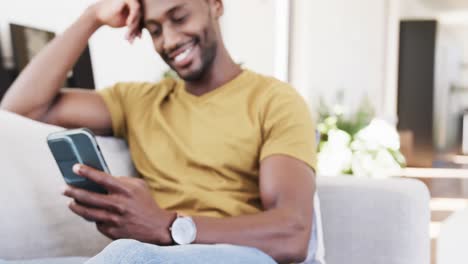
(226, 156)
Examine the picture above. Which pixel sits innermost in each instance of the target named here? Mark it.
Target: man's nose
(172, 39)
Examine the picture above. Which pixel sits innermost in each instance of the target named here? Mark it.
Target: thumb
(105, 180)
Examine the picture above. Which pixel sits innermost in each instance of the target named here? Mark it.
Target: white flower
(386, 165)
(338, 138)
(368, 155)
(333, 161)
(335, 155)
(362, 164)
(376, 135)
(380, 165)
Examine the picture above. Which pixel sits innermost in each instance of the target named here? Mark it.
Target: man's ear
(217, 8)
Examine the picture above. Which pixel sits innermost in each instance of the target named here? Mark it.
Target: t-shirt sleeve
(114, 98)
(288, 128)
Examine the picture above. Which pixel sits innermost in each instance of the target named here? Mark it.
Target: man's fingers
(128, 34)
(135, 25)
(133, 20)
(134, 10)
(99, 177)
(131, 34)
(96, 200)
(130, 37)
(134, 30)
(94, 215)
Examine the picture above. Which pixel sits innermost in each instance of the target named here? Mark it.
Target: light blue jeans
(126, 251)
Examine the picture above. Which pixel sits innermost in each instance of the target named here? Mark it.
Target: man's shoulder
(273, 90)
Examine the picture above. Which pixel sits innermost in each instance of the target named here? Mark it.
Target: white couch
(365, 221)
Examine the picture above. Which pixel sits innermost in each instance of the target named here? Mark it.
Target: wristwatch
(183, 230)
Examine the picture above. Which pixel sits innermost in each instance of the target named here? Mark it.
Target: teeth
(183, 55)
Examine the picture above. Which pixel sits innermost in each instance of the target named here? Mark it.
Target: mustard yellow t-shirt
(201, 154)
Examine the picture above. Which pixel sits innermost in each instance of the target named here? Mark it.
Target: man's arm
(282, 231)
(37, 91)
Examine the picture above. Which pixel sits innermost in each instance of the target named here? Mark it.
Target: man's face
(184, 33)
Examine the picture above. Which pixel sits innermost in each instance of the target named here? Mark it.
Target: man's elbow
(294, 254)
(5, 106)
(297, 252)
(34, 115)
(295, 248)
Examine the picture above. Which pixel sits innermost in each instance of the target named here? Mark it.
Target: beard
(208, 47)
(208, 55)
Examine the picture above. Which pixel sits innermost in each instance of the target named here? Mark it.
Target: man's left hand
(127, 211)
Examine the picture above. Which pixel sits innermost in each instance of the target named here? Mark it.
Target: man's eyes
(154, 31)
(157, 30)
(180, 19)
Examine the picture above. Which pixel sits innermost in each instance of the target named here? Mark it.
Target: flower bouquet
(358, 145)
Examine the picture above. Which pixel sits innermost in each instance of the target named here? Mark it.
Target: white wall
(446, 5)
(340, 44)
(416, 9)
(351, 46)
(447, 106)
(248, 30)
(249, 33)
(463, 32)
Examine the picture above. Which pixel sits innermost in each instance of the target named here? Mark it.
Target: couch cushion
(36, 222)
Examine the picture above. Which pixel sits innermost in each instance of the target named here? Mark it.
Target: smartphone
(74, 146)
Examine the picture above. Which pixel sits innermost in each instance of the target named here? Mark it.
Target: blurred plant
(171, 74)
(357, 144)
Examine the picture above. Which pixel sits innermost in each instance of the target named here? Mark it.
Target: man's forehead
(157, 8)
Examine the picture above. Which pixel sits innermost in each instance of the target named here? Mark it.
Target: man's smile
(183, 56)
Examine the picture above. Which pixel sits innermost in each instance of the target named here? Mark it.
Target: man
(225, 156)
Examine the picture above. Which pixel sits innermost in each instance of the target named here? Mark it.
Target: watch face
(183, 230)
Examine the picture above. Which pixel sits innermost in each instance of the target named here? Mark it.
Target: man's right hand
(120, 13)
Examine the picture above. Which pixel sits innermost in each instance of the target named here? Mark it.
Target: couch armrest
(375, 221)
